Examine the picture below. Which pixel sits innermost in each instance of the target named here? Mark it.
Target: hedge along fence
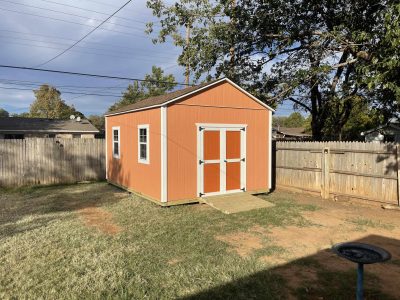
(368, 171)
(51, 161)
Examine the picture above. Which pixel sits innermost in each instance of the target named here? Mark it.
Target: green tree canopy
(309, 52)
(295, 119)
(48, 104)
(21, 115)
(149, 88)
(97, 121)
(4, 113)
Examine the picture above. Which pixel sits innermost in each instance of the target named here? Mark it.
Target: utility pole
(187, 79)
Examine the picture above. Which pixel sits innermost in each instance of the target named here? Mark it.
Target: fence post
(325, 173)
(398, 173)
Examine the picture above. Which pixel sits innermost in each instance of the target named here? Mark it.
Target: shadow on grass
(33, 207)
(320, 276)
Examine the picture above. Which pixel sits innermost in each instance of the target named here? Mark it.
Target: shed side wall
(127, 171)
(220, 104)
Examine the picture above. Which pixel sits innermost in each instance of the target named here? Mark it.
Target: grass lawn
(95, 241)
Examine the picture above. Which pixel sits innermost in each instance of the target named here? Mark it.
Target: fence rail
(51, 161)
(368, 171)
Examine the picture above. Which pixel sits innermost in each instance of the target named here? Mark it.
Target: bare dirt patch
(174, 261)
(296, 276)
(336, 222)
(100, 219)
(243, 243)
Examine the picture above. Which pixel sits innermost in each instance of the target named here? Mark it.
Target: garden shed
(204, 140)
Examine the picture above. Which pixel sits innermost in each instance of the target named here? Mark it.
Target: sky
(34, 31)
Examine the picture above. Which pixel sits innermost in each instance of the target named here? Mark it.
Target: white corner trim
(270, 151)
(119, 141)
(105, 136)
(193, 92)
(164, 154)
(147, 127)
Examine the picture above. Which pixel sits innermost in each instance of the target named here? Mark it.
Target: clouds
(30, 36)
(32, 31)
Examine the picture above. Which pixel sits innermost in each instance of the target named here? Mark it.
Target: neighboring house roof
(175, 96)
(15, 124)
(296, 131)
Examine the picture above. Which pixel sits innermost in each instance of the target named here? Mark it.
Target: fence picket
(51, 161)
(367, 171)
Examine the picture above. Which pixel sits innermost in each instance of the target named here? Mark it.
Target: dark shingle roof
(158, 100)
(45, 125)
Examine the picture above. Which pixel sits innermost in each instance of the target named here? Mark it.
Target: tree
(295, 120)
(48, 104)
(149, 88)
(383, 74)
(21, 115)
(308, 52)
(4, 113)
(361, 119)
(97, 121)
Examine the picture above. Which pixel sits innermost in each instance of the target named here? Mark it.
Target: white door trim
(222, 128)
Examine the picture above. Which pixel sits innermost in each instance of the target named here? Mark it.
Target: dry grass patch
(100, 219)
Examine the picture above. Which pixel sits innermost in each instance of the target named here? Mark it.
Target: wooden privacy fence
(368, 171)
(51, 161)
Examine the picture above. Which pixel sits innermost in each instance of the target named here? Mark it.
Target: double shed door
(222, 164)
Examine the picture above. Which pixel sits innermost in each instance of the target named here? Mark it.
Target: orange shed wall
(220, 104)
(127, 171)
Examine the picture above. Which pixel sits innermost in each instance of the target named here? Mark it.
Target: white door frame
(222, 128)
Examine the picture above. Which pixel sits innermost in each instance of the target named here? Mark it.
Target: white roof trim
(193, 92)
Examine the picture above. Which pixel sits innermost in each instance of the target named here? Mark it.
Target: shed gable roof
(175, 96)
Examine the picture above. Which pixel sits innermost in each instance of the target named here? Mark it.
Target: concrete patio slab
(238, 202)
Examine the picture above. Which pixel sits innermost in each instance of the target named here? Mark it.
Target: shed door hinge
(243, 159)
(201, 194)
(201, 128)
(243, 129)
(201, 161)
(243, 189)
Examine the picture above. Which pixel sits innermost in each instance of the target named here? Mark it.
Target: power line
(70, 22)
(89, 10)
(8, 80)
(85, 36)
(107, 52)
(86, 42)
(84, 52)
(102, 3)
(90, 75)
(98, 91)
(68, 14)
(66, 92)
